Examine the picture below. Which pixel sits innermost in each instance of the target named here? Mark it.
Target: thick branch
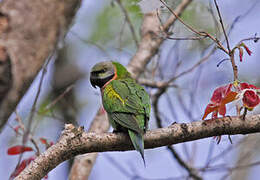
(74, 141)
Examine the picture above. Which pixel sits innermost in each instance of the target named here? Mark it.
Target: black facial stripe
(100, 82)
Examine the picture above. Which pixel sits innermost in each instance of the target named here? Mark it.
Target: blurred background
(100, 32)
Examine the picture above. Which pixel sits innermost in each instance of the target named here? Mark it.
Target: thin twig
(223, 167)
(220, 155)
(202, 60)
(33, 110)
(165, 84)
(230, 53)
(222, 25)
(223, 60)
(177, 17)
(33, 141)
(86, 41)
(240, 17)
(255, 39)
(160, 20)
(202, 33)
(210, 9)
(127, 18)
(49, 106)
(210, 153)
(121, 34)
(186, 38)
(184, 107)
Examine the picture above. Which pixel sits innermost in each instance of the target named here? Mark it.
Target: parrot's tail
(138, 142)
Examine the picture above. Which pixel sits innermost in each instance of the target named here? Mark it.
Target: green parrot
(126, 103)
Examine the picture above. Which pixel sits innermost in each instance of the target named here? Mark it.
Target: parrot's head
(102, 73)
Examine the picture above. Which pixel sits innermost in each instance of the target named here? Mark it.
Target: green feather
(122, 73)
(138, 142)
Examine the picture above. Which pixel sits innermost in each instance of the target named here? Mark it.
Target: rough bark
(29, 32)
(75, 141)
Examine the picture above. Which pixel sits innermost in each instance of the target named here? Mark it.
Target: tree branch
(75, 141)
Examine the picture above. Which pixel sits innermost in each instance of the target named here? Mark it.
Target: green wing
(127, 104)
(125, 120)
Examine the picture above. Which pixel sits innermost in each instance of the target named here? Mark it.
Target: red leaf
(22, 166)
(220, 93)
(224, 95)
(222, 109)
(44, 141)
(221, 96)
(249, 94)
(209, 109)
(18, 150)
(231, 96)
(250, 99)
